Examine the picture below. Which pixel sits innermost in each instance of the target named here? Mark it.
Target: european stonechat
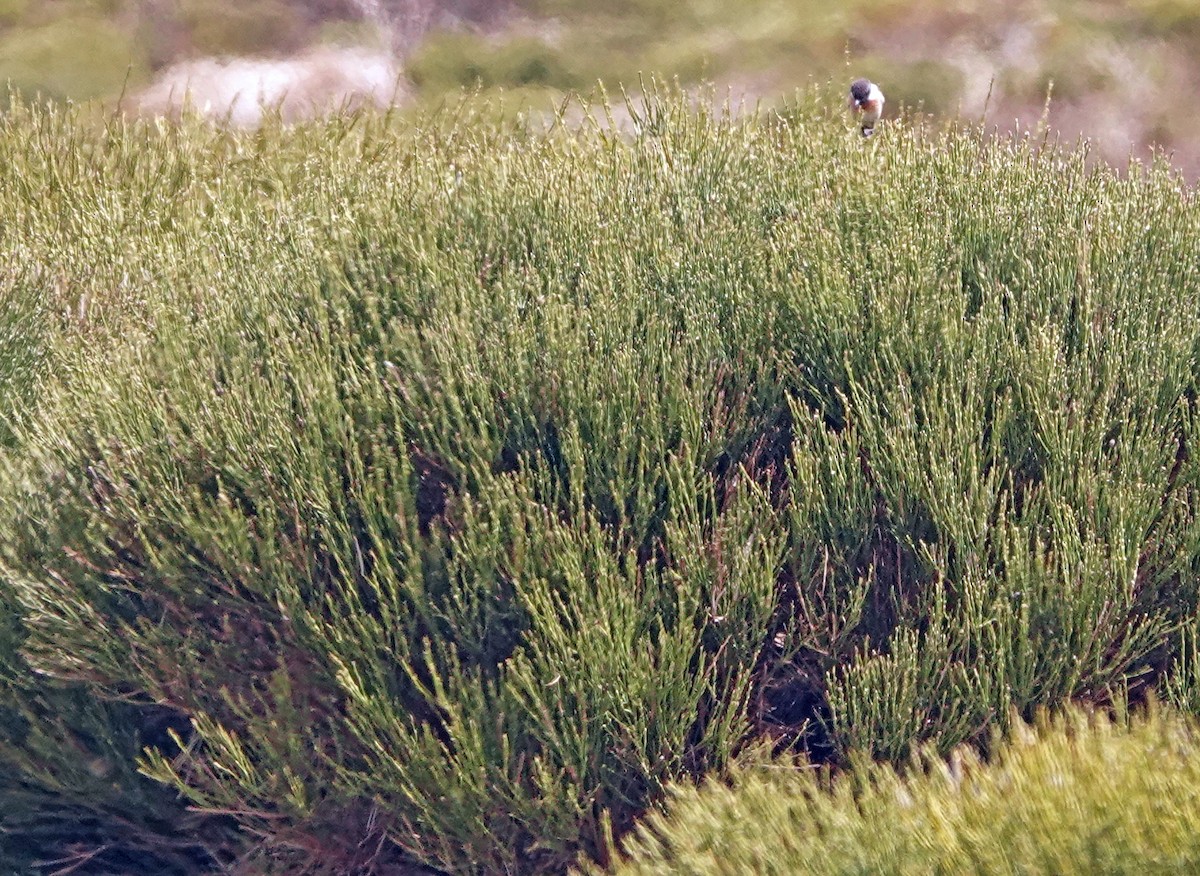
(867, 100)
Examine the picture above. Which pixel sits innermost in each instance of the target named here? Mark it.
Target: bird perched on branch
(867, 100)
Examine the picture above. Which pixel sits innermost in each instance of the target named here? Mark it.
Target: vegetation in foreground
(1070, 795)
(377, 496)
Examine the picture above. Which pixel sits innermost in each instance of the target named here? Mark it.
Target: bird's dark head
(860, 90)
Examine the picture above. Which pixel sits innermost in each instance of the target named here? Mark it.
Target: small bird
(867, 100)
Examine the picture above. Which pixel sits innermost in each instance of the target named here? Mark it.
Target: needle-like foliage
(439, 495)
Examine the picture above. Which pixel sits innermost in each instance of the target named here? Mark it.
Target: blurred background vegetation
(1116, 70)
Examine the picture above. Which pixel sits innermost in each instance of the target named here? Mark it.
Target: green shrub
(1075, 794)
(454, 488)
(458, 614)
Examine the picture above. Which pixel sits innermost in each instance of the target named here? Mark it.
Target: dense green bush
(1073, 795)
(441, 494)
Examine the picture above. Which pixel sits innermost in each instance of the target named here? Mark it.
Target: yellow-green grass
(1075, 794)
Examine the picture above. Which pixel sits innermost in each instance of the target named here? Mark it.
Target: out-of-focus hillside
(1120, 71)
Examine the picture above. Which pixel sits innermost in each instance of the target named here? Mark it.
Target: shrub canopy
(1071, 795)
(441, 494)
